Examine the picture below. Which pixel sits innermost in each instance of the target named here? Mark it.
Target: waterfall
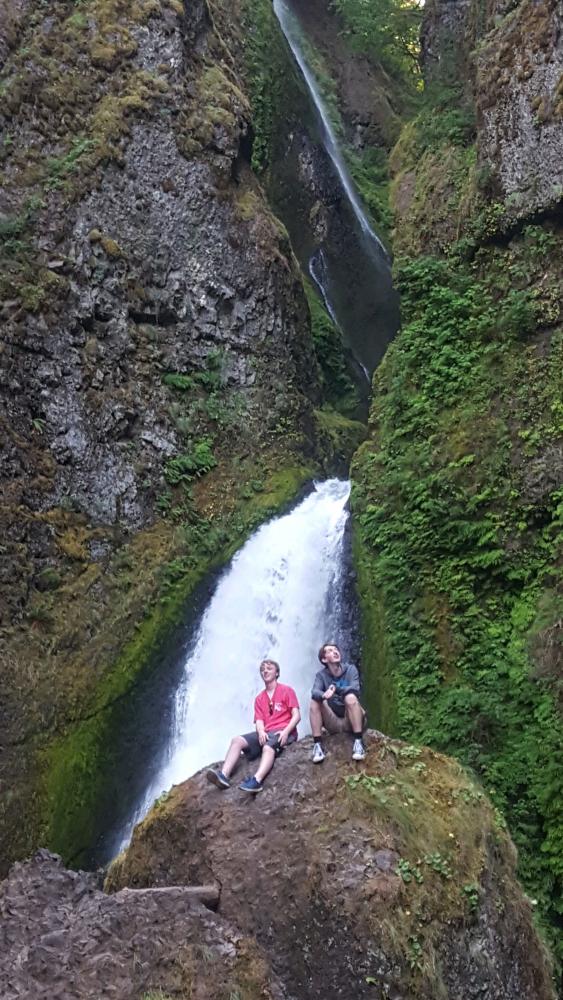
(344, 255)
(282, 595)
(319, 272)
(292, 31)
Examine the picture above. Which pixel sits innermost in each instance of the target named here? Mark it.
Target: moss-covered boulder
(393, 879)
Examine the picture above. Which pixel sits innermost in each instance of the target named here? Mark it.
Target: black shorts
(254, 749)
(337, 707)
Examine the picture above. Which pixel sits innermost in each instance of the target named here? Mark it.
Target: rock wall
(519, 97)
(156, 360)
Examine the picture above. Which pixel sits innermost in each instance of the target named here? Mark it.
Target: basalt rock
(62, 937)
(136, 247)
(519, 92)
(393, 877)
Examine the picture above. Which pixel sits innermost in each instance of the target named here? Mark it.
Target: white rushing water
(293, 33)
(281, 597)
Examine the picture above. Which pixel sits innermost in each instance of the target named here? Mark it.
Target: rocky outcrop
(62, 937)
(509, 58)
(395, 877)
(519, 95)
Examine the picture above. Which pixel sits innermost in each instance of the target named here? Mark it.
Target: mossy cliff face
(396, 880)
(457, 493)
(157, 369)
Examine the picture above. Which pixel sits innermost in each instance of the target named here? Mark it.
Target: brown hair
(323, 647)
(274, 664)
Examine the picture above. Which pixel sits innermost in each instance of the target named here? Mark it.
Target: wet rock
(519, 92)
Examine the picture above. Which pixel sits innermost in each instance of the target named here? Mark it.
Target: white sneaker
(318, 754)
(358, 750)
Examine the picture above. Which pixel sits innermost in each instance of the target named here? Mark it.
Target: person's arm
(293, 722)
(318, 692)
(352, 682)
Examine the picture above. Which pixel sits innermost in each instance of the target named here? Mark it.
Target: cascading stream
(344, 256)
(282, 596)
(292, 31)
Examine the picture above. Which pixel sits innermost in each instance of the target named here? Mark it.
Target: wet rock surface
(352, 876)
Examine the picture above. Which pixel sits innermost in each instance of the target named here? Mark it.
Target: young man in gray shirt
(335, 702)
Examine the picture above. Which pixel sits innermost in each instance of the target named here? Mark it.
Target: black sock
(357, 736)
(317, 739)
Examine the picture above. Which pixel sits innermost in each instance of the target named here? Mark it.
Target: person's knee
(351, 699)
(314, 706)
(268, 751)
(239, 742)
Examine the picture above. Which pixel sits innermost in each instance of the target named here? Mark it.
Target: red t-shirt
(283, 701)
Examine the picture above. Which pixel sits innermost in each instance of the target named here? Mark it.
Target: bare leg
(238, 744)
(354, 712)
(316, 719)
(266, 763)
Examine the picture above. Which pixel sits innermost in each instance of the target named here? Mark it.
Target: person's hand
(329, 692)
(262, 737)
(282, 738)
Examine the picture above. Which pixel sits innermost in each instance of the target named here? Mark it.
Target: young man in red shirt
(276, 715)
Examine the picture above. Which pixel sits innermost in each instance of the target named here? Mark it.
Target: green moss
(456, 545)
(370, 172)
(344, 436)
(266, 69)
(76, 765)
(337, 382)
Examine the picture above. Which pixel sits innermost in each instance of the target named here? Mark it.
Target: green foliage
(178, 381)
(337, 382)
(196, 462)
(408, 871)
(369, 170)
(387, 31)
(59, 167)
(455, 551)
(446, 116)
(267, 67)
(471, 893)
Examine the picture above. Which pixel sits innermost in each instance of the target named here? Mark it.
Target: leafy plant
(408, 871)
(196, 462)
(453, 560)
(387, 30)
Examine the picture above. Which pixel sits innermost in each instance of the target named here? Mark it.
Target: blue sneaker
(218, 778)
(251, 785)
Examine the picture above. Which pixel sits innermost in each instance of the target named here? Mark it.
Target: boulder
(392, 878)
(61, 937)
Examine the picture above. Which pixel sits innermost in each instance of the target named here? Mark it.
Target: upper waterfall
(292, 31)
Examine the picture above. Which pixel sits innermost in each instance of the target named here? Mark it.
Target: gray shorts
(336, 723)
(253, 750)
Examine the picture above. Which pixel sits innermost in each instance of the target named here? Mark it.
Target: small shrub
(194, 463)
